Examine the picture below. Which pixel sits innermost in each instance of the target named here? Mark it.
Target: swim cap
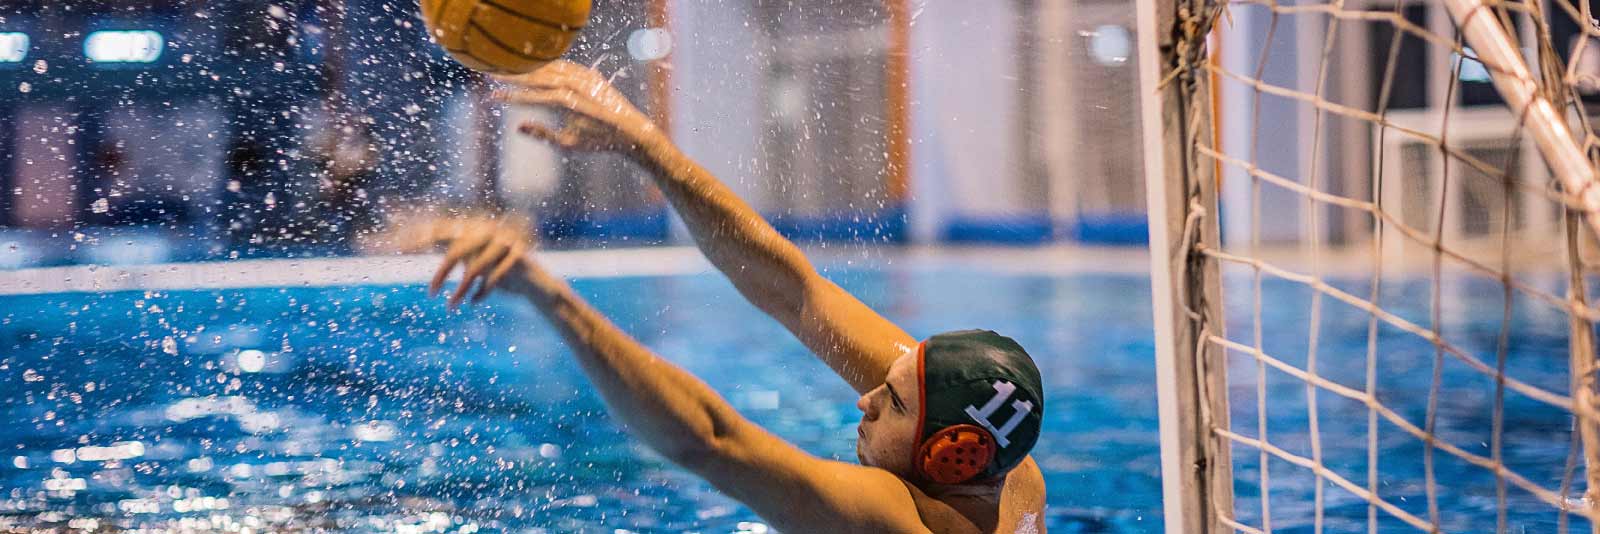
(982, 404)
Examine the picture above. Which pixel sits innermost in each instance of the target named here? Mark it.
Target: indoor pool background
(373, 409)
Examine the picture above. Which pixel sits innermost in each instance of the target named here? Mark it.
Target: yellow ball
(505, 36)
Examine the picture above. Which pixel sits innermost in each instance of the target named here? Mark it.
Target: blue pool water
(373, 409)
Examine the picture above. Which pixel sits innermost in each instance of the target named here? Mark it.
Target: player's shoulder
(1025, 483)
(1019, 510)
(940, 516)
(1022, 500)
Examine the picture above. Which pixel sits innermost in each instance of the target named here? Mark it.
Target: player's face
(889, 419)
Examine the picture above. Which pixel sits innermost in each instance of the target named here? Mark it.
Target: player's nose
(864, 403)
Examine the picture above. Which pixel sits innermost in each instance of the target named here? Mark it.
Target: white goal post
(1194, 472)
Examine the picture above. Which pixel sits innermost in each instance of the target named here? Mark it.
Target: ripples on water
(372, 409)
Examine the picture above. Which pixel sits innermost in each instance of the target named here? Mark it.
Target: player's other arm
(769, 270)
(772, 273)
(671, 410)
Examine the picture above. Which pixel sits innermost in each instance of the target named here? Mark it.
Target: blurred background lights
(125, 450)
(375, 431)
(1110, 45)
(199, 465)
(13, 47)
(123, 46)
(649, 44)
(128, 248)
(252, 360)
(12, 255)
(752, 527)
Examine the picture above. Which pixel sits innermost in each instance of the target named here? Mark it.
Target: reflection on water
(373, 409)
(292, 410)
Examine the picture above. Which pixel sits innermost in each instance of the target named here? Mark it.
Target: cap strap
(922, 402)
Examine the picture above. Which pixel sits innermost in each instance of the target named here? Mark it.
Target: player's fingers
(553, 74)
(435, 232)
(513, 255)
(409, 239)
(537, 131)
(445, 267)
(559, 75)
(459, 250)
(511, 79)
(566, 99)
(558, 96)
(560, 68)
(574, 131)
(488, 257)
(582, 80)
(562, 138)
(536, 80)
(581, 123)
(544, 76)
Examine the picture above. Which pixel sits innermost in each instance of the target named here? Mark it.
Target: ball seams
(511, 41)
(439, 7)
(481, 64)
(503, 46)
(530, 18)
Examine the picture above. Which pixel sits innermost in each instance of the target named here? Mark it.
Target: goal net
(1372, 236)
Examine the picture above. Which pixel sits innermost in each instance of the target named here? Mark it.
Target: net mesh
(1387, 239)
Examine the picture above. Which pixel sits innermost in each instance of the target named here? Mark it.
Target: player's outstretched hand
(599, 117)
(493, 252)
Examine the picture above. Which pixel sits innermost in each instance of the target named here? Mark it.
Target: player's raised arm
(670, 409)
(768, 269)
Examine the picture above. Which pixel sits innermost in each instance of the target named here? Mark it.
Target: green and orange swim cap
(982, 404)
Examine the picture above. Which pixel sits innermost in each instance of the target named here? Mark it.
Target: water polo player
(948, 422)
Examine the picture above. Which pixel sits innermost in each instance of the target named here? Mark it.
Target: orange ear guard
(955, 454)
